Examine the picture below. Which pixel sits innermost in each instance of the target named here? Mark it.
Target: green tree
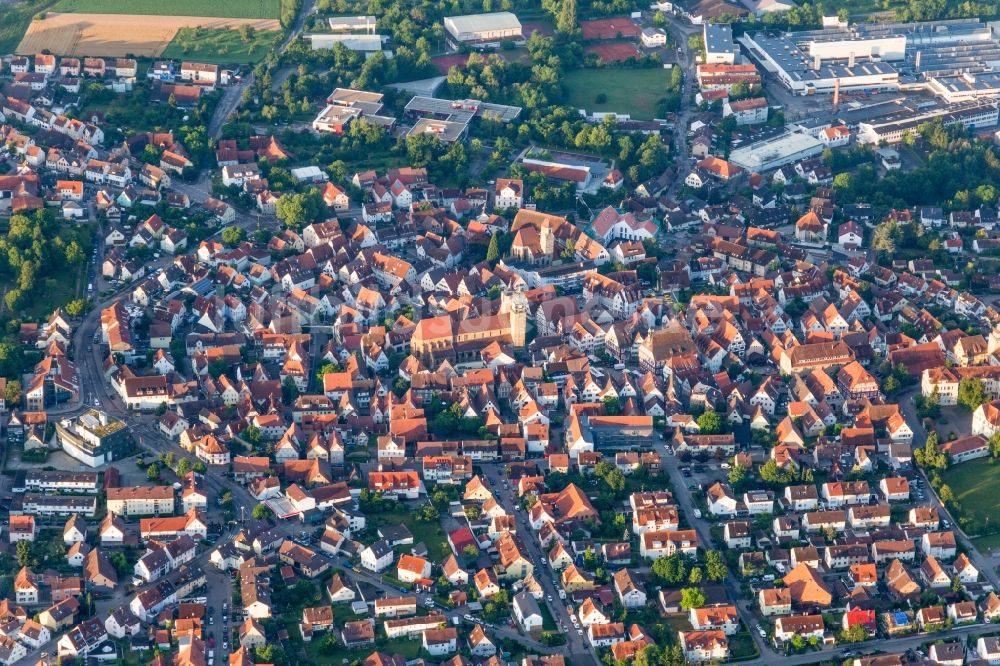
(616, 480)
(710, 423)
(271, 653)
(612, 406)
(75, 254)
(183, 466)
(671, 570)
(76, 307)
(995, 444)
(946, 495)
(246, 32)
(12, 393)
(972, 393)
(569, 251)
(253, 435)
(233, 236)
(715, 566)
(153, 472)
(884, 238)
(493, 250)
(737, 474)
(566, 21)
(771, 473)
(692, 597)
(289, 390)
(930, 456)
(23, 553)
(297, 210)
(929, 407)
(119, 561)
(261, 512)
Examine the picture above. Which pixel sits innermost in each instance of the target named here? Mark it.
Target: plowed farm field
(117, 35)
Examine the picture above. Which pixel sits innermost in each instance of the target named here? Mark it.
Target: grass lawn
(409, 649)
(742, 647)
(257, 9)
(548, 622)
(223, 47)
(987, 543)
(431, 534)
(678, 622)
(14, 21)
(975, 488)
(861, 6)
(635, 92)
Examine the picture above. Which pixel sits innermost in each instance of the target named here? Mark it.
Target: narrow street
(578, 647)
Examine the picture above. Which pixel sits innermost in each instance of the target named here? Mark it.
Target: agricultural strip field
(117, 35)
(251, 9)
(223, 47)
(636, 92)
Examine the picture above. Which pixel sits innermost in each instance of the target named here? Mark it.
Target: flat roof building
(784, 148)
(363, 43)
(352, 24)
(449, 119)
(94, 437)
(483, 29)
(335, 119)
(877, 56)
(807, 66)
(344, 105)
(445, 130)
(892, 128)
(965, 87)
(719, 46)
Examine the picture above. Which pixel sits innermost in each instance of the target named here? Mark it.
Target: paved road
(686, 61)
(701, 526)
(502, 631)
(233, 96)
(985, 563)
(578, 649)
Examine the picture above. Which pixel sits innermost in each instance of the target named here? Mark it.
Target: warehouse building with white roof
(483, 29)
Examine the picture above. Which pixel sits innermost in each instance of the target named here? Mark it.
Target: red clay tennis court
(609, 28)
(613, 51)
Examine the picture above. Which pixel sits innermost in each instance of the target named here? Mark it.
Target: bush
(601, 99)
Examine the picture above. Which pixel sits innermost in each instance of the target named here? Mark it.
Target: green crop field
(223, 47)
(636, 92)
(252, 9)
(14, 20)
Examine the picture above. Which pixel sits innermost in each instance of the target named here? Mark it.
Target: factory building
(966, 86)
(811, 66)
(891, 129)
(882, 56)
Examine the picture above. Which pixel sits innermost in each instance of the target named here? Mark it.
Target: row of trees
(678, 569)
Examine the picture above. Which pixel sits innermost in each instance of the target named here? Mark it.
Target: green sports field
(636, 92)
(252, 9)
(975, 486)
(223, 47)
